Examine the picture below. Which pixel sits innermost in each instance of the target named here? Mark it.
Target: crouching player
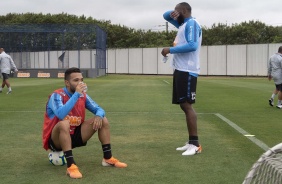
(65, 126)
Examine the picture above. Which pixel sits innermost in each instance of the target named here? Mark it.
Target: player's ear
(185, 13)
(67, 83)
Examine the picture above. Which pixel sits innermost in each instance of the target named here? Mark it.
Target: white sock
(279, 102)
(273, 96)
(10, 89)
(0, 88)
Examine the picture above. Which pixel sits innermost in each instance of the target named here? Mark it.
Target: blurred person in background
(274, 72)
(7, 65)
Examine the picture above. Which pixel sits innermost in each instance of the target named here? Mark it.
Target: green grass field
(145, 130)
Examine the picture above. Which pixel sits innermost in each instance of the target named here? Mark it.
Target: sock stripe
(68, 157)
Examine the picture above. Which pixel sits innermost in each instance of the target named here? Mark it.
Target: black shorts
(5, 76)
(76, 140)
(184, 87)
(278, 87)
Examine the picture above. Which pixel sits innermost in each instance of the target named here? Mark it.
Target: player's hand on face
(175, 14)
(97, 123)
(80, 87)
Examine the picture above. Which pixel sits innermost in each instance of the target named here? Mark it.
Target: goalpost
(268, 168)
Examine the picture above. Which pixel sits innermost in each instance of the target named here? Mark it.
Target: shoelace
(186, 144)
(189, 146)
(73, 168)
(113, 160)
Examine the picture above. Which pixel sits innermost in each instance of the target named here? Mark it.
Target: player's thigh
(5, 76)
(278, 87)
(60, 126)
(184, 87)
(87, 130)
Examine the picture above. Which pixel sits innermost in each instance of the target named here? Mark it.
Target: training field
(145, 130)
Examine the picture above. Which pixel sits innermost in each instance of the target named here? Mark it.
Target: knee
(106, 123)
(186, 107)
(64, 125)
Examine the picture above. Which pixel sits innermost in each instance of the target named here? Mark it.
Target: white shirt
(275, 68)
(188, 61)
(6, 63)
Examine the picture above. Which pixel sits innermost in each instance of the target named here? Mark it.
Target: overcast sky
(147, 14)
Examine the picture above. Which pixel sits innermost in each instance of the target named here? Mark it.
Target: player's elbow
(166, 15)
(60, 115)
(193, 47)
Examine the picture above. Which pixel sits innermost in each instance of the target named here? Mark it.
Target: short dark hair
(186, 6)
(280, 49)
(69, 71)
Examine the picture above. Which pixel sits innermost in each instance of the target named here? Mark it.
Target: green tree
(118, 36)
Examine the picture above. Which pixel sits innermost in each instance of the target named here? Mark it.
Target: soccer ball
(57, 158)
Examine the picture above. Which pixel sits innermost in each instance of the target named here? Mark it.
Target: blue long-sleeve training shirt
(192, 32)
(56, 107)
(187, 45)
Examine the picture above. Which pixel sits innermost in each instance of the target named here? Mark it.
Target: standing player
(6, 64)
(65, 126)
(274, 71)
(186, 66)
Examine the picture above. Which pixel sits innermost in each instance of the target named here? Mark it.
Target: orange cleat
(73, 172)
(113, 162)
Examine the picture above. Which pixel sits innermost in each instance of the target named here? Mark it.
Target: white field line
(166, 82)
(243, 132)
(229, 122)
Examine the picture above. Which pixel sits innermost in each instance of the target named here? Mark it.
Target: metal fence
(56, 46)
(223, 60)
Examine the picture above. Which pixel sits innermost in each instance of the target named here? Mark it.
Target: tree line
(120, 36)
